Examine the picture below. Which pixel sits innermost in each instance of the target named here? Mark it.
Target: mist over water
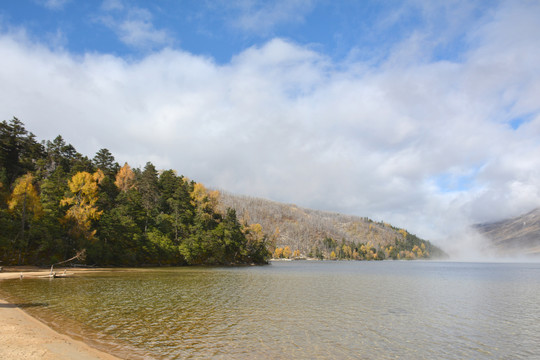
(471, 246)
(300, 310)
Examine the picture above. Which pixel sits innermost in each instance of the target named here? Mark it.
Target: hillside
(309, 231)
(519, 235)
(56, 203)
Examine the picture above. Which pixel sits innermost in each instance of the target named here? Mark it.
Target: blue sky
(424, 114)
(221, 29)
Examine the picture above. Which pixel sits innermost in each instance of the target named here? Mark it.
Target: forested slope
(55, 203)
(328, 235)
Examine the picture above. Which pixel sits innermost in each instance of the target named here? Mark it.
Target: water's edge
(306, 310)
(68, 328)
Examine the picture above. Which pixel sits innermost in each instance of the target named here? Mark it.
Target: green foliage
(329, 243)
(18, 151)
(104, 161)
(122, 217)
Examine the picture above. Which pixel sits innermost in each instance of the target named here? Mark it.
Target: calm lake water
(298, 310)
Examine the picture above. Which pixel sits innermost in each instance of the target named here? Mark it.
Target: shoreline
(23, 336)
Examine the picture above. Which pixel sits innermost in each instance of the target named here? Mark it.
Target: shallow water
(299, 310)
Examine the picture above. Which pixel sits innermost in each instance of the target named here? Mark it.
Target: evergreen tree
(149, 190)
(105, 161)
(19, 151)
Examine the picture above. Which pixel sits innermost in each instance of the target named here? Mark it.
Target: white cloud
(262, 17)
(282, 121)
(133, 25)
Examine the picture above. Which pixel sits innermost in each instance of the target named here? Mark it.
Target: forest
(56, 204)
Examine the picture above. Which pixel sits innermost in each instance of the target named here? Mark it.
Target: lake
(298, 310)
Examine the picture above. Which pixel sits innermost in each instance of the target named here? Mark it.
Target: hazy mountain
(517, 236)
(304, 229)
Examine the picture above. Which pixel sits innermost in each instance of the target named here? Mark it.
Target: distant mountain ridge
(516, 236)
(306, 229)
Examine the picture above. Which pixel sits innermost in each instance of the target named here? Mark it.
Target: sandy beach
(24, 337)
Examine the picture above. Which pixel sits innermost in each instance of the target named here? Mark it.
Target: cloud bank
(429, 145)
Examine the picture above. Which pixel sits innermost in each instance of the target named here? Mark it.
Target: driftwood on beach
(81, 255)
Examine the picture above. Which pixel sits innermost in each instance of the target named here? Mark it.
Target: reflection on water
(302, 310)
(22, 306)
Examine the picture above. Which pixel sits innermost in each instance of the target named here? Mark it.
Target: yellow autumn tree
(405, 254)
(347, 251)
(82, 204)
(278, 253)
(99, 175)
(254, 233)
(24, 201)
(201, 197)
(287, 252)
(416, 249)
(206, 202)
(125, 178)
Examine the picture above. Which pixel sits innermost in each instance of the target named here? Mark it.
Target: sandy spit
(24, 337)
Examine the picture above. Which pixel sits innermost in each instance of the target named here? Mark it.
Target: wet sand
(24, 337)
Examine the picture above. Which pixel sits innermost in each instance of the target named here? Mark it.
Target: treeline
(410, 249)
(55, 202)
